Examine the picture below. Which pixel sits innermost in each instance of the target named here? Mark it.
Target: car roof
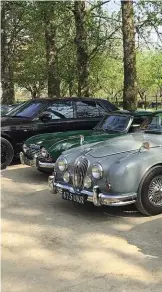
(67, 98)
(132, 113)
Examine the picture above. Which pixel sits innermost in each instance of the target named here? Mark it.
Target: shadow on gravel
(33, 176)
(148, 237)
(57, 245)
(25, 174)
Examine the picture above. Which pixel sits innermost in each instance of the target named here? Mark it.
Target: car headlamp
(62, 164)
(25, 148)
(97, 171)
(66, 177)
(87, 182)
(44, 152)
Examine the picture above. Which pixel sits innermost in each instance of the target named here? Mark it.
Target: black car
(45, 116)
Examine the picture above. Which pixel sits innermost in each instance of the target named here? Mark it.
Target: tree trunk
(6, 64)
(81, 45)
(130, 82)
(51, 55)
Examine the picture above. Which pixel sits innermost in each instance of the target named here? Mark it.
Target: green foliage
(27, 51)
(149, 73)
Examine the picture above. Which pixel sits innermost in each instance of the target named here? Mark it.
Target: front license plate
(66, 195)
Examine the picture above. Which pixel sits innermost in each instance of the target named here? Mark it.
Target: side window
(87, 109)
(102, 111)
(61, 109)
(54, 115)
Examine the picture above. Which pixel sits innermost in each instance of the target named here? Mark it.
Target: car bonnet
(121, 144)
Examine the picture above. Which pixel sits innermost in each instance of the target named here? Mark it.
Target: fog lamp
(87, 182)
(66, 177)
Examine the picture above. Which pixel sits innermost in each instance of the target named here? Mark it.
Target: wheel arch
(147, 172)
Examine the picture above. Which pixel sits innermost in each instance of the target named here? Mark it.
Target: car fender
(126, 174)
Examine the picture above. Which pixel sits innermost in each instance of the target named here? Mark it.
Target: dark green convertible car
(41, 151)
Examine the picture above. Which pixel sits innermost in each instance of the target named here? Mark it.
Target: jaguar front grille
(80, 170)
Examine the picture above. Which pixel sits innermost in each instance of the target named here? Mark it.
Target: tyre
(149, 199)
(7, 153)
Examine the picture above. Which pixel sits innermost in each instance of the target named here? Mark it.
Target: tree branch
(98, 5)
(98, 45)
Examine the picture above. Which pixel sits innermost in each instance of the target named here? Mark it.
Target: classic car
(42, 151)
(47, 116)
(121, 171)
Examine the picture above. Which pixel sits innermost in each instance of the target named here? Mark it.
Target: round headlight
(44, 152)
(25, 148)
(66, 177)
(97, 171)
(87, 182)
(62, 164)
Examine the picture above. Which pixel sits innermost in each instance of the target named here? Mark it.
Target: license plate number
(73, 197)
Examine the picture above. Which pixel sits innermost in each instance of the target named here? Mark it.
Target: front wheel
(149, 199)
(7, 153)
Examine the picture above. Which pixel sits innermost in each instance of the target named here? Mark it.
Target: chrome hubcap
(155, 191)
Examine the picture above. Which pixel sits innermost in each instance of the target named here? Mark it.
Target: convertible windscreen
(156, 124)
(115, 123)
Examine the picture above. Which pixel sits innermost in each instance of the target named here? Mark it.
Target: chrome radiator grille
(80, 170)
(32, 150)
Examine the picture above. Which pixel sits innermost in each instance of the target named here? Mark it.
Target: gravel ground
(51, 245)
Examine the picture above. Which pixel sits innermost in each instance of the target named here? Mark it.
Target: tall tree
(81, 45)
(6, 65)
(12, 25)
(30, 62)
(49, 11)
(130, 83)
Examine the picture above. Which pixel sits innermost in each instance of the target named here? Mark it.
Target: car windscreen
(114, 123)
(29, 109)
(156, 124)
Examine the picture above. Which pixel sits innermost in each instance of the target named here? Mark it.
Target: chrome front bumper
(35, 162)
(95, 196)
(49, 165)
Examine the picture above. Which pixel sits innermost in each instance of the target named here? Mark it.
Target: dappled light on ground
(52, 245)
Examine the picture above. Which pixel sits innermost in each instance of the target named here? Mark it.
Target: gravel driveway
(51, 245)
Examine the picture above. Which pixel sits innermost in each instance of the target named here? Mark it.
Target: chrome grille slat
(33, 150)
(80, 170)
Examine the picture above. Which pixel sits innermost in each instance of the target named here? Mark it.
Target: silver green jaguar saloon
(116, 172)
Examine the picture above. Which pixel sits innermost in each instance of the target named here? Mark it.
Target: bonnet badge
(81, 139)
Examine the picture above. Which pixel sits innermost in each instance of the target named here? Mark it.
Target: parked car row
(116, 172)
(95, 152)
(42, 151)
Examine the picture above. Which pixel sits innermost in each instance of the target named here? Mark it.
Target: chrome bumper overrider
(95, 196)
(35, 162)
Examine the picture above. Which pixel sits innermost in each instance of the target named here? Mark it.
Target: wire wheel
(155, 191)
